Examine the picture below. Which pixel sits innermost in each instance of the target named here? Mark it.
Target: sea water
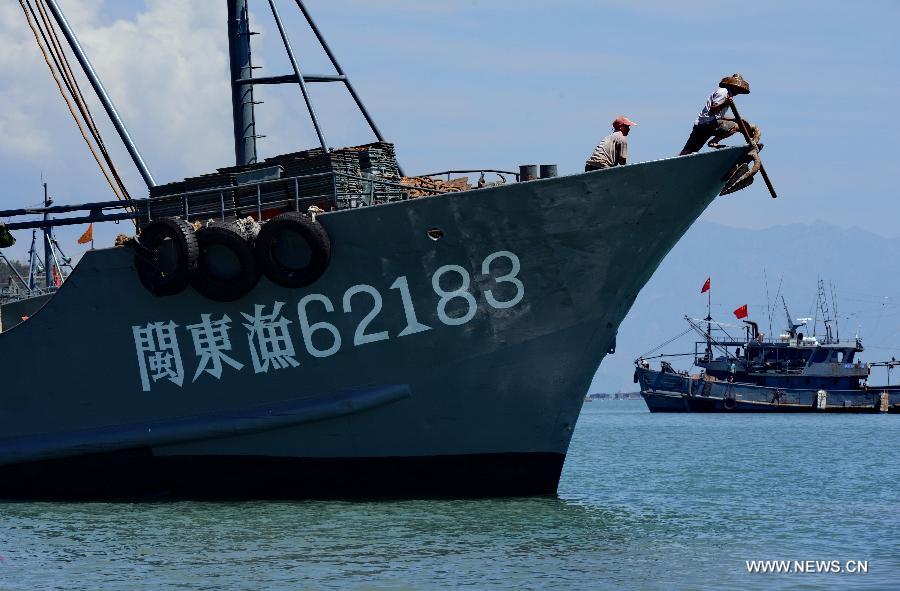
(679, 501)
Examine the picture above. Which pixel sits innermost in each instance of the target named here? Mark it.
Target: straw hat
(737, 84)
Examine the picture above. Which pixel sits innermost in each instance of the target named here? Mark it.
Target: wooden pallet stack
(359, 169)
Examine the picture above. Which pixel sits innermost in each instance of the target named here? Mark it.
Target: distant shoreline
(615, 396)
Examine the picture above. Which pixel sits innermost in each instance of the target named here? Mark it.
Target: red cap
(622, 120)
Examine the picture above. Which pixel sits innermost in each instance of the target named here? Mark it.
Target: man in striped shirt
(613, 149)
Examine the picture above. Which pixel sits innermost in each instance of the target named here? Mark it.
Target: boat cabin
(795, 362)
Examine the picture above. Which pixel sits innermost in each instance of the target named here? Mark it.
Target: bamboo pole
(743, 127)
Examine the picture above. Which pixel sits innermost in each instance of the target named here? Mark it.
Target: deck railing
(329, 190)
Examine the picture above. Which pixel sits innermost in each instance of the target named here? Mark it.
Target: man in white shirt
(712, 122)
(613, 149)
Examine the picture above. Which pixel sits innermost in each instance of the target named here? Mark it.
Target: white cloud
(166, 70)
(22, 106)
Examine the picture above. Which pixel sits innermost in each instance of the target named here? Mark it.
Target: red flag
(57, 279)
(88, 235)
(705, 286)
(741, 312)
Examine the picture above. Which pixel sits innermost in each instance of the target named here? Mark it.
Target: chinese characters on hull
(158, 354)
(271, 343)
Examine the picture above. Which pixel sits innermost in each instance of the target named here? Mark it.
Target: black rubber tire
(229, 241)
(729, 403)
(284, 273)
(172, 246)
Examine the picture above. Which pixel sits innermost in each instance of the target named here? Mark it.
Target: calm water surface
(646, 502)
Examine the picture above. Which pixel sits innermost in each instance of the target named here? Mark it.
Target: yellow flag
(88, 235)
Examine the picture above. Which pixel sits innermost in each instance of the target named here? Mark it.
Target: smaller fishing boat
(753, 373)
(25, 291)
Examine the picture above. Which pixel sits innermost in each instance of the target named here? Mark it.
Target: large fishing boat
(790, 373)
(317, 325)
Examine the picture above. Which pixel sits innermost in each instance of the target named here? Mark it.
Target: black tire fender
(278, 245)
(226, 268)
(729, 403)
(167, 254)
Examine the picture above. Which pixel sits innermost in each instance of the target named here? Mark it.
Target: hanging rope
(75, 91)
(57, 54)
(62, 66)
(56, 61)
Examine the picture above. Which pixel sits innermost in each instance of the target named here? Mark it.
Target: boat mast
(790, 323)
(242, 79)
(709, 324)
(837, 327)
(48, 243)
(32, 262)
(341, 76)
(301, 82)
(826, 317)
(241, 93)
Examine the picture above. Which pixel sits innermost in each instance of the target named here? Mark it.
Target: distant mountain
(861, 266)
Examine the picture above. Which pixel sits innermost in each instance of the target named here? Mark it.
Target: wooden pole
(745, 131)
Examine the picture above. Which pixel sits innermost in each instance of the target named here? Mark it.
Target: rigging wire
(34, 29)
(837, 326)
(75, 91)
(777, 293)
(52, 44)
(815, 325)
(672, 340)
(54, 57)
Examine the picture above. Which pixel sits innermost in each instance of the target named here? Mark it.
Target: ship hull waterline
(412, 367)
(670, 392)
